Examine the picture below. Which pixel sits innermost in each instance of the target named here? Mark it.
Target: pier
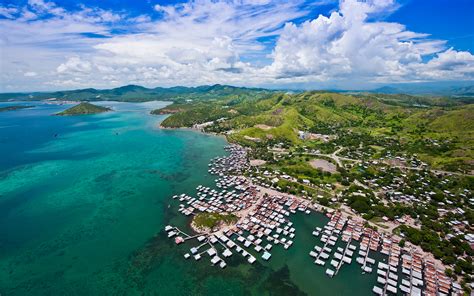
(330, 235)
(346, 256)
(412, 268)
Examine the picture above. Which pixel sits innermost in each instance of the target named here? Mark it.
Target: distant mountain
(136, 93)
(426, 89)
(463, 91)
(387, 90)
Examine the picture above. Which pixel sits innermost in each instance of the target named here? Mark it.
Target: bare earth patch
(324, 165)
(252, 139)
(257, 162)
(395, 162)
(264, 127)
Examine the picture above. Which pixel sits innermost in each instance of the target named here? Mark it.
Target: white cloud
(193, 43)
(448, 65)
(41, 6)
(166, 9)
(75, 65)
(30, 74)
(346, 45)
(206, 42)
(8, 12)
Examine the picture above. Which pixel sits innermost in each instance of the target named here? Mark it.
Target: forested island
(14, 108)
(84, 108)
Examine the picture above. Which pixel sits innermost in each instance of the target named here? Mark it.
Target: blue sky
(49, 45)
(443, 19)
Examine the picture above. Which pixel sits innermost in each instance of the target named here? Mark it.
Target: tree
(402, 243)
(448, 260)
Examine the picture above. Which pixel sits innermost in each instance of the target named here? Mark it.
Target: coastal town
(237, 148)
(248, 214)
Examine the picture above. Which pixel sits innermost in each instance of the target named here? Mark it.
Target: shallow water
(84, 200)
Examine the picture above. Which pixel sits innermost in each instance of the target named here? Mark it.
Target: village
(248, 215)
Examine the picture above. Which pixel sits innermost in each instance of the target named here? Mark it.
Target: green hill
(135, 93)
(441, 132)
(84, 108)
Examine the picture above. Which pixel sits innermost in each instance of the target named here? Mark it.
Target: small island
(84, 108)
(13, 108)
(207, 222)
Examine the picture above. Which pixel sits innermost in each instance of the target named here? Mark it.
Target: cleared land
(324, 165)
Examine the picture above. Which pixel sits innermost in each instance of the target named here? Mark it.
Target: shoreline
(343, 210)
(185, 128)
(262, 191)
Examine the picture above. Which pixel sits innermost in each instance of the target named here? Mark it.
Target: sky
(347, 44)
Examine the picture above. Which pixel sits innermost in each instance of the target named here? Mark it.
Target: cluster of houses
(400, 271)
(202, 126)
(264, 222)
(236, 163)
(417, 188)
(303, 135)
(329, 236)
(214, 201)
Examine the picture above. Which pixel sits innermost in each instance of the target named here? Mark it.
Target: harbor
(264, 227)
(399, 271)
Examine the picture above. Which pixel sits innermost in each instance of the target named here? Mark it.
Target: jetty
(329, 237)
(370, 241)
(412, 270)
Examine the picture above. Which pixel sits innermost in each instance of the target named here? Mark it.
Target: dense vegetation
(439, 130)
(394, 153)
(135, 93)
(84, 108)
(211, 220)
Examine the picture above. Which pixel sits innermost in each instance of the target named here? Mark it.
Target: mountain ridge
(136, 93)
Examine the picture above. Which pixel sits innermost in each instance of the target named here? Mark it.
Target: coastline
(343, 210)
(186, 128)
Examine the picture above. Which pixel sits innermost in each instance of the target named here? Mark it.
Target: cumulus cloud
(8, 12)
(346, 45)
(245, 42)
(76, 66)
(450, 64)
(192, 43)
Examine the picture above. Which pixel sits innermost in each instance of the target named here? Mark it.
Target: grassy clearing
(398, 117)
(211, 220)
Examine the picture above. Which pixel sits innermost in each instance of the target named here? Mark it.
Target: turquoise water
(84, 200)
